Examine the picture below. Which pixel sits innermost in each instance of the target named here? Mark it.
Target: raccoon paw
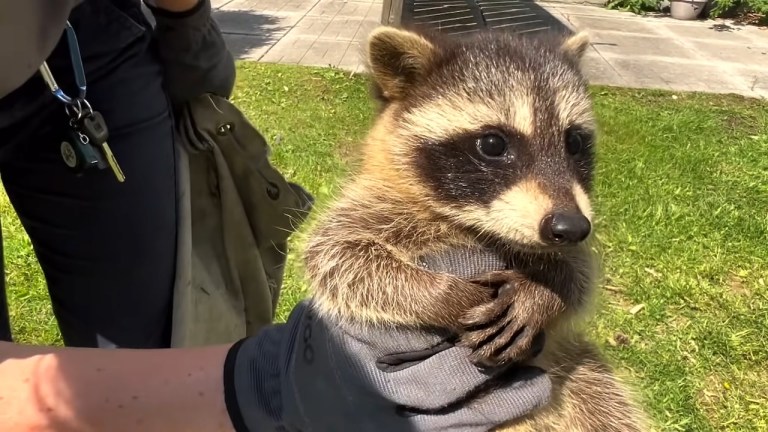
(506, 330)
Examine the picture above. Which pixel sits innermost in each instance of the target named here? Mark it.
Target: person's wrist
(230, 390)
(176, 9)
(254, 384)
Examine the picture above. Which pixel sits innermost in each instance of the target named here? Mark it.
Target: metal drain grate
(453, 17)
(462, 16)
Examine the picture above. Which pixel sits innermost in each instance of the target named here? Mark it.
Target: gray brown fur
(427, 182)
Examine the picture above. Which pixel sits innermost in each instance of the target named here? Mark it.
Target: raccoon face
(497, 130)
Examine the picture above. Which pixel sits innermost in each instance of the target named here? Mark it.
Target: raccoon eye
(575, 141)
(492, 145)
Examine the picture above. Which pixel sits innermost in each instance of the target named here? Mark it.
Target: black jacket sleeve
(191, 46)
(35, 27)
(193, 52)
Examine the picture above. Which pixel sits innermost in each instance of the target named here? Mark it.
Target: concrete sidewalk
(305, 32)
(628, 50)
(661, 52)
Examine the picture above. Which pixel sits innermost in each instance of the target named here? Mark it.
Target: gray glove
(312, 375)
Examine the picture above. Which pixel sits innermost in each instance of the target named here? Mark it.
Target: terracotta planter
(686, 10)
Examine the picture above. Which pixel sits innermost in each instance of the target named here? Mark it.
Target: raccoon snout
(565, 228)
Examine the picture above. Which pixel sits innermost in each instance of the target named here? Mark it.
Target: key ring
(86, 146)
(76, 103)
(78, 109)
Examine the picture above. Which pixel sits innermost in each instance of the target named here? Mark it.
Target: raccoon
(485, 140)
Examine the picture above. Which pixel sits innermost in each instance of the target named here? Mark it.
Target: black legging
(107, 249)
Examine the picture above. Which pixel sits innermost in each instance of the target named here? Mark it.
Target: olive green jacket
(237, 210)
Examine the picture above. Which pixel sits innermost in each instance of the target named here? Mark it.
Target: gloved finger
(463, 262)
(401, 360)
(439, 380)
(529, 390)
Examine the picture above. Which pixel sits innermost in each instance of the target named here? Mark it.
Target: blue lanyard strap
(77, 66)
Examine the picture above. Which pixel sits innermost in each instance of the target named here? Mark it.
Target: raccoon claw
(501, 343)
(498, 281)
(524, 344)
(479, 319)
(502, 331)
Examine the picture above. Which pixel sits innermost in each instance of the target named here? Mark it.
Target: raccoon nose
(565, 228)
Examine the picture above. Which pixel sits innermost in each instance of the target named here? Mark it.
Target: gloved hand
(312, 375)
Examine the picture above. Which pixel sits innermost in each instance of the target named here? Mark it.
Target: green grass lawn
(682, 199)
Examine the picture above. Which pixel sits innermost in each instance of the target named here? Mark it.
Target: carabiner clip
(77, 66)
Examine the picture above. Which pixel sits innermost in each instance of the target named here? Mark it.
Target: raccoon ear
(397, 58)
(576, 45)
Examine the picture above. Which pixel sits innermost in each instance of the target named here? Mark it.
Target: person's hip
(113, 36)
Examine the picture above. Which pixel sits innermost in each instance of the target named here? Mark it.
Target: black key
(95, 128)
(78, 153)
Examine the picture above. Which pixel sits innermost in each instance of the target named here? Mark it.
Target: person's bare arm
(84, 390)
